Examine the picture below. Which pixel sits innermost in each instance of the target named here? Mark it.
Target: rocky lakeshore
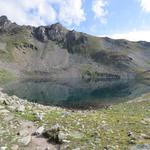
(25, 126)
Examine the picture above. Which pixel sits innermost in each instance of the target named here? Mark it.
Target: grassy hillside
(5, 76)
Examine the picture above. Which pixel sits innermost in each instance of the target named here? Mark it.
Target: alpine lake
(76, 95)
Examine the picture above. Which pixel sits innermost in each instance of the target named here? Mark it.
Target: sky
(125, 19)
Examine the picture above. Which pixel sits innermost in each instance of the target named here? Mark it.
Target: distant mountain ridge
(56, 52)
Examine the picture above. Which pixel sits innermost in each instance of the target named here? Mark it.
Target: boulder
(20, 108)
(23, 132)
(39, 116)
(54, 134)
(141, 147)
(3, 148)
(39, 131)
(25, 140)
(40, 33)
(15, 147)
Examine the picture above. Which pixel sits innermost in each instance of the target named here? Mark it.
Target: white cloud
(145, 5)
(40, 12)
(20, 11)
(71, 12)
(98, 8)
(135, 35)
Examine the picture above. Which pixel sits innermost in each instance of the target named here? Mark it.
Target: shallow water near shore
(76, 96)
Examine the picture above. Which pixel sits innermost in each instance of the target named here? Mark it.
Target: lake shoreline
(77, 127)
(76, 95)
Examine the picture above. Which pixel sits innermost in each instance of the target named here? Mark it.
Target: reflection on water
(79, 96)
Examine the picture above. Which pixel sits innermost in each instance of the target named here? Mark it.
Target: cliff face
(54, 51)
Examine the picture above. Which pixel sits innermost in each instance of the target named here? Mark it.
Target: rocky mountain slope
(56, 52)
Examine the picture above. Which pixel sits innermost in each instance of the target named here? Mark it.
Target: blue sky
(129, 19)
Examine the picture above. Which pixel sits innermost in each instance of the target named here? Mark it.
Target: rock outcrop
(6, 24)
(54, 51)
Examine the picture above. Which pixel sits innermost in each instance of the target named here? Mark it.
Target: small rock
(54, 134)
(76, 135)
(106, 148)
(147, 120)
(14, 97)
(65, 114)
(11, 108)
(145, 136)
(76, 149)
(21, 108)
(143, 122)
(55, 128)
(15, 147)
(23, 132)
(62, 136)
(131, 141)
(64, 146)
(2, 107)
(4, 111)
(6, 102)
(25, 140)
(130, 133)
(103, 122)
(39, 131)
(9, 118)
(3, 148)
(141, 147)
(39, 116)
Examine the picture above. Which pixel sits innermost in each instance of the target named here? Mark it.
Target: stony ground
(30, 126)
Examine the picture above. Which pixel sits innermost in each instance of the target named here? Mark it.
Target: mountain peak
(4, 20)
(3, 17)
(53, 32)
(58, 26)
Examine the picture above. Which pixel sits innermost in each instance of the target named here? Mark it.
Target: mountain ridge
(62, 53)
(5, 19)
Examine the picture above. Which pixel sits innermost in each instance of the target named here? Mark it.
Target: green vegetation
(87, 70)
(18, 37)
(144, 77)
(5, 76)
(99, 129)
(90, 73)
